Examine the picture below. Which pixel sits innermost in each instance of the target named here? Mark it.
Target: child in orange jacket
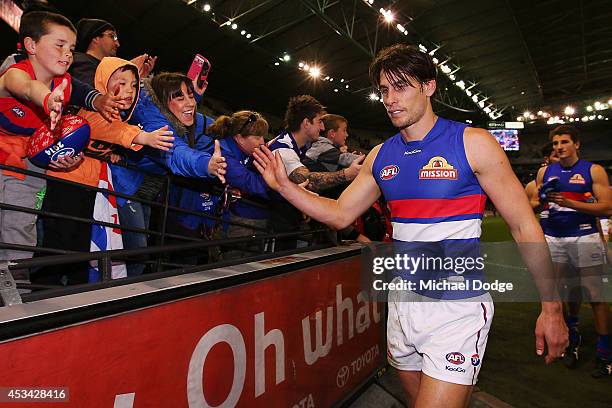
(119, 78)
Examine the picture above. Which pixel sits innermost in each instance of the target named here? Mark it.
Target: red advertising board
(302, 339)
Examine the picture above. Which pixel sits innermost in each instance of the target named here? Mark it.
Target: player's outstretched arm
(353, 202)
(496, 177)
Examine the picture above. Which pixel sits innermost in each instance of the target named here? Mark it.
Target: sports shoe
(570, 355)
(603, 367)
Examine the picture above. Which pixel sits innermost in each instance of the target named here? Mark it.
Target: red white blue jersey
(575, 183)
(23, 118)
(435, 199)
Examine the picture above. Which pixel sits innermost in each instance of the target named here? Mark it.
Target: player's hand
(551, 332)
(271, 167)
(107, 106)
(55, 103)
(559, 199)
(217, 164)
(66, 162)
(353, 170)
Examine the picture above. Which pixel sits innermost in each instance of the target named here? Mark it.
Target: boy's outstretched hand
(108, 106)
(55, 103)
(217, 164)
(160, 139)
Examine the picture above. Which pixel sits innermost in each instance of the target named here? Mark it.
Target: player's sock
(603, 346)
(573, 324)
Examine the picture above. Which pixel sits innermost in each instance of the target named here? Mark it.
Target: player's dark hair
(402, 63)
(35, 24)
(299, 108)
(573, 133)
(547, 149)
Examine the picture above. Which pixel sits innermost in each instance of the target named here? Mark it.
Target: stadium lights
(387, 15)
(314, 72)
(206, 7)
(569, 110)
(243, 32)
(248, 36)
(286, 58)
(190, 2)
(589, 108)
(234, 26)
(374, 97)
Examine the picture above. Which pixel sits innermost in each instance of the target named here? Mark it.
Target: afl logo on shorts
(455, 358)
(577, 179)
(388, 172)
(475, 360)
(438, 169)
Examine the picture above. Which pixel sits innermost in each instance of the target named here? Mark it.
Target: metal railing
(154, 255)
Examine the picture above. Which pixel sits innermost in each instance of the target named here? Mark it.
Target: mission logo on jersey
(577, 179)
(438, 169)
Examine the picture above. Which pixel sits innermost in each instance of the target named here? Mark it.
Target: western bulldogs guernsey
(436, 204)
(575, 183)
(18, 120)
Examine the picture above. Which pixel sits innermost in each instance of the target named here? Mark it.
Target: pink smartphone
(200, 67)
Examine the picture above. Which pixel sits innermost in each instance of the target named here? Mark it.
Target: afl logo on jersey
(577, 179)
(18, 111)
(388, 172)
(438, 169)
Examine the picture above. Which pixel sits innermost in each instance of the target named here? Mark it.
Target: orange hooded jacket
(104, 135)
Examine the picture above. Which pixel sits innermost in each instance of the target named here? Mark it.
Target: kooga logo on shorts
(388, 172)
(455, 358)
(438, 169)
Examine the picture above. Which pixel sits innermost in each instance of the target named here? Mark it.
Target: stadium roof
(518, 54)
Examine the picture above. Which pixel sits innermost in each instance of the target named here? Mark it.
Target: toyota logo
(342, 376)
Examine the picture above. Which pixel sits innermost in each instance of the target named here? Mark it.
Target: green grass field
(513, 373)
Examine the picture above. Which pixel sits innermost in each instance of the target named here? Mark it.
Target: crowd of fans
(145, 126)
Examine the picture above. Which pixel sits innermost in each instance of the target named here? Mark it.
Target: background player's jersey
(436, 201)
(575, 183)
